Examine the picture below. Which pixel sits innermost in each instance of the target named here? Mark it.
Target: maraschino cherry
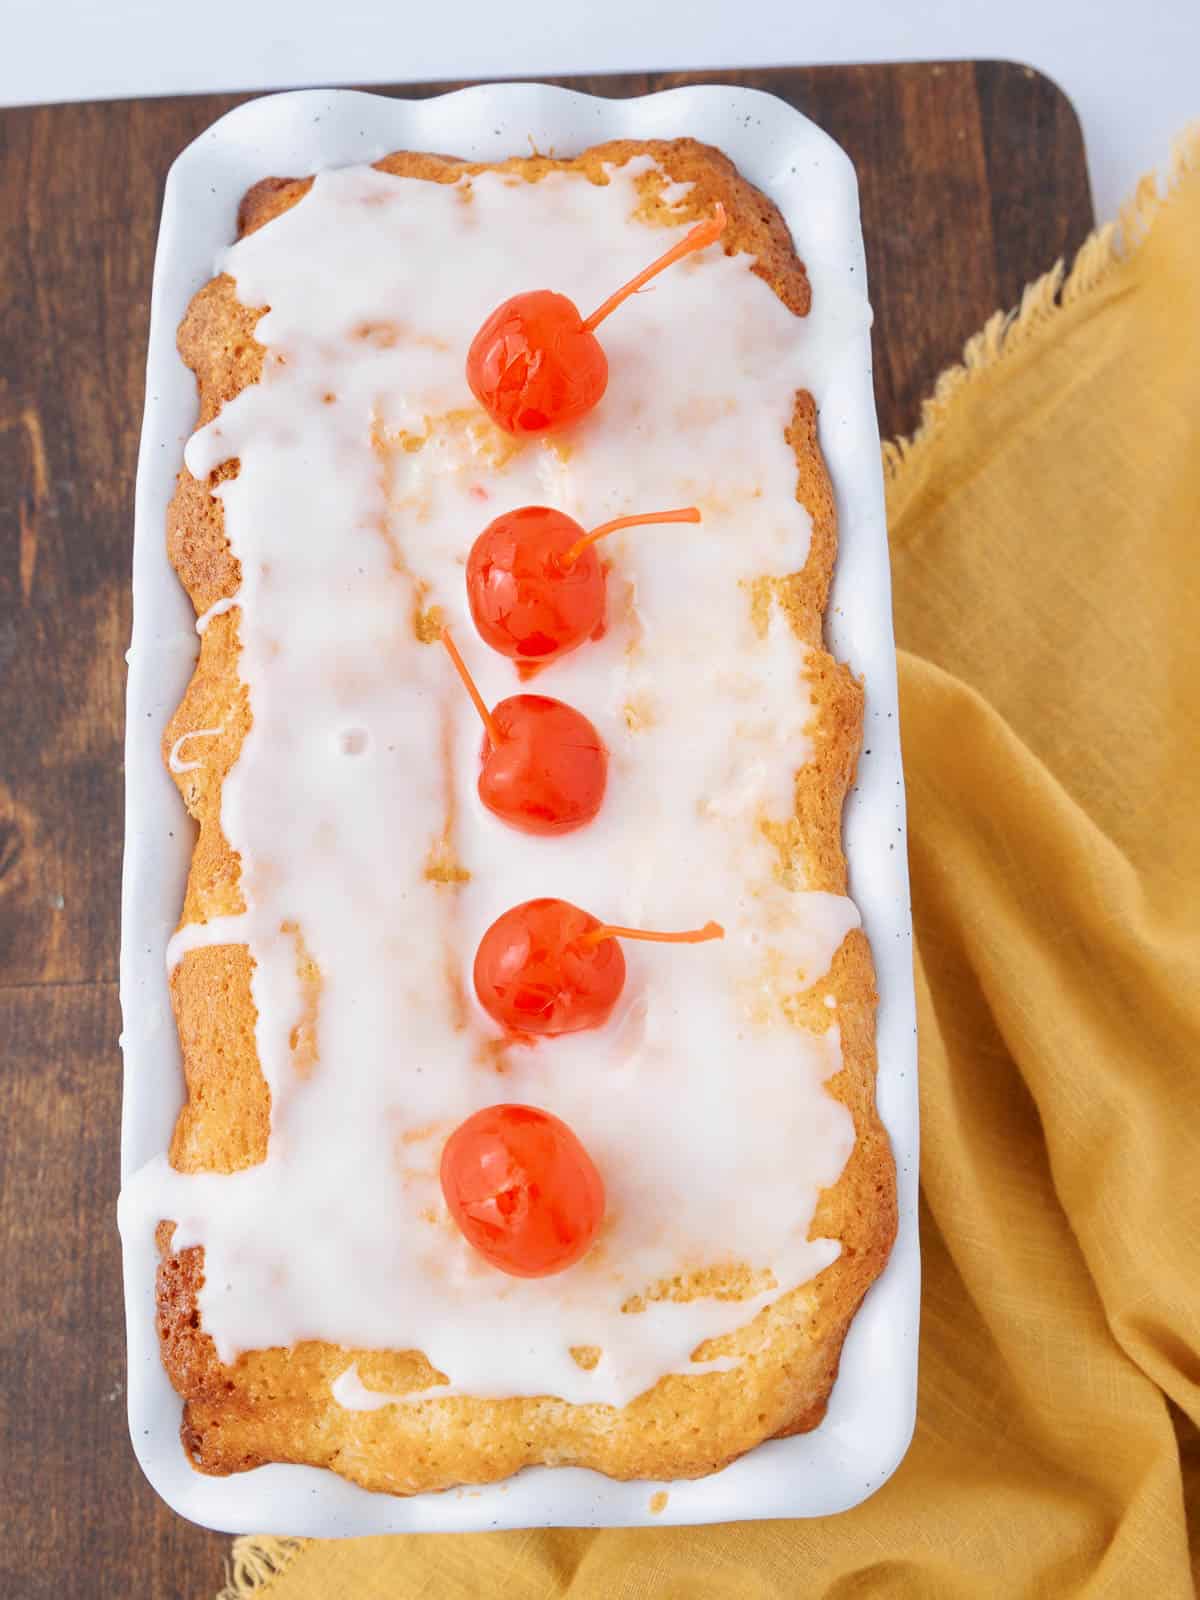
(543, 766)
(535, 584)
(536, 364)
(547, 967)
(522, 1188)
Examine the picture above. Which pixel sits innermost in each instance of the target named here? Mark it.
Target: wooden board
(973, 181)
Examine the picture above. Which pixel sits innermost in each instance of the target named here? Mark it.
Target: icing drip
(175, 761)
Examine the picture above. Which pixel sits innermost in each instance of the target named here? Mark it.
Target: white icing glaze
(702, 1106)
(174, 760)
(217, 609)
(352, 1394)
(198, 935)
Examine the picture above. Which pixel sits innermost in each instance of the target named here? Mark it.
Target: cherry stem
(571, 556)
(489, 722)
(710, 930)
(704, 233)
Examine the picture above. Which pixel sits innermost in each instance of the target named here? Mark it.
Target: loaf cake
(316, 1301)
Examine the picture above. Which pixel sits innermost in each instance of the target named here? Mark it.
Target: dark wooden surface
(973, 181)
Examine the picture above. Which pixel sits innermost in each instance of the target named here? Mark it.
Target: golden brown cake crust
(276, 1405)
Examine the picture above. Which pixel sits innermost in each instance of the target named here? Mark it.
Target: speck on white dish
(872, 1408)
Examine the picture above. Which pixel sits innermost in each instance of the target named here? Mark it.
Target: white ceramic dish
(872, 1409)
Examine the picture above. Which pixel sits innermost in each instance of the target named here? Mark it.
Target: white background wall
(1132, 69)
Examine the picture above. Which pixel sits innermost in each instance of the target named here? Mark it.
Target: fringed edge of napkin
(257, 1560)
(1045, 299)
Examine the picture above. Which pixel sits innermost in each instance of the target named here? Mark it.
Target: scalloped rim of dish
(873, 1406)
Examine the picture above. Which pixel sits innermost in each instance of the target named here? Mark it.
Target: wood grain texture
(972, 179)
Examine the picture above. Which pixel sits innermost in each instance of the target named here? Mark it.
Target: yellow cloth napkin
(1045, 528)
